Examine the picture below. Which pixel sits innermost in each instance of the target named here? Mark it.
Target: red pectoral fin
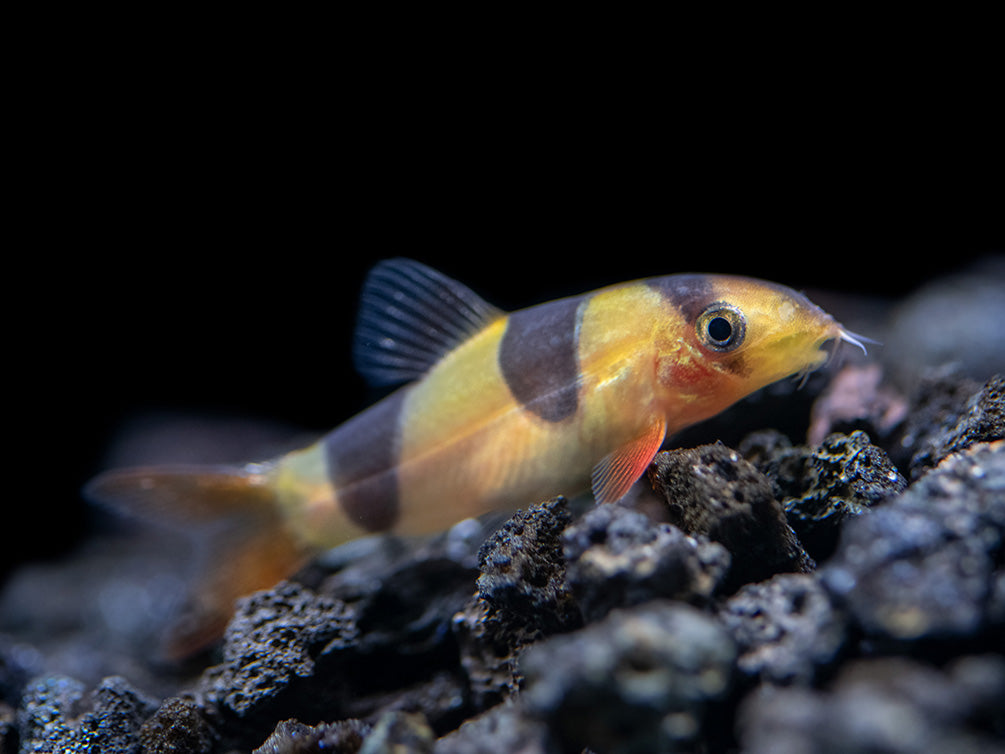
(619, 470)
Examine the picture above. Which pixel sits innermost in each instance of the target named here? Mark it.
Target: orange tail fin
(249, 547)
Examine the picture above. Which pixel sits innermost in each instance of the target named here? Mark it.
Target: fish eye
(721, 327)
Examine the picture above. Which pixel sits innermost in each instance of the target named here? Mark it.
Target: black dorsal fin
(410, 315)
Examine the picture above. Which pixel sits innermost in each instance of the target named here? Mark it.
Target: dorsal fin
(410, 315)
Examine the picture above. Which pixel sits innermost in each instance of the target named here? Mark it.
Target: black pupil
(719, 329)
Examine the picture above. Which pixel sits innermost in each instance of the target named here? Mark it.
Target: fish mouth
(834, 336)
(838, 334)
(799, 354)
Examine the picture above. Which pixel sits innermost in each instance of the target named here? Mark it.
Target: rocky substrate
(769, 596)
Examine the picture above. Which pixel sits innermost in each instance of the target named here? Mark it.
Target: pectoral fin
(620, 469)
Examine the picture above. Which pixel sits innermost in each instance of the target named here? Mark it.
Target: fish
(487, 411)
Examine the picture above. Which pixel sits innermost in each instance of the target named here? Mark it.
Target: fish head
(735, 335)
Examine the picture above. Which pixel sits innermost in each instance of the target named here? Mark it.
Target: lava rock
(433, 688)
(405, 591)
(935, 404)
(373, 636)
(786, 629)
(644, 679)
(504, 728)
(923, 565)
(787, 466)
(981, 419)
(45, 717)
(271, 649)
(293, 737)
(618, 558)
(890, 705)
(822, 488)
(488, 655)
(523, 571)
(855, 471)
(404, 605)
(522, 596)
(712, 491)
(177, 727)
(405, 654)
(57, 714)
(948, 412)
(405, 595)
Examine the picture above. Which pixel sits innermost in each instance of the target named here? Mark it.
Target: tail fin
(249, 547)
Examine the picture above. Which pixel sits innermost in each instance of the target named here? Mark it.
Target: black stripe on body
(362, 458)
(539, 358)
(691, 295)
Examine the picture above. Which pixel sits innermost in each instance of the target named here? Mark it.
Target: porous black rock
(617, 557)
(433, 688)
(889, 705)
(787, 629)
(382, 643)
(981, 418)
(523, 571)
(270, 656)
(405, 595)
(179, 726)
(404, 605)
(487, 655)
(505, 727)
(57, 713)
(521, 597)
(118, 711)
(712, 491)
(293, 737)
(45, 717)
(922, 566)
(643, 679)
(822, 487)
(934, 404)
(948, 411)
